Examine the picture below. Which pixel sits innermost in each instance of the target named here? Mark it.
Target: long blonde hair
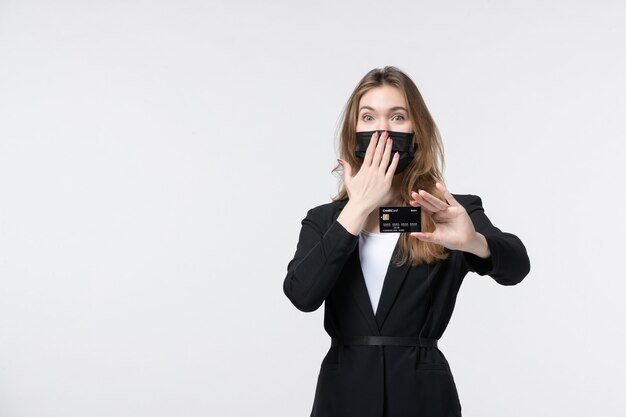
(424, 170)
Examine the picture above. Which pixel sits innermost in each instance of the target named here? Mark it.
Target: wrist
(479, 246)
(352, 218)
(357, 209)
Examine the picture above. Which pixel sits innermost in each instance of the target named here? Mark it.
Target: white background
(157, 157)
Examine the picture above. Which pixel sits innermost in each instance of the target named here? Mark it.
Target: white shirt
(375, 251)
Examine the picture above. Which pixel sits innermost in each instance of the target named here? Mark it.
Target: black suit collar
(393, 281)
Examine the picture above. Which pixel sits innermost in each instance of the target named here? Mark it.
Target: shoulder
(328, 209)
(324, 214)
(471, 202)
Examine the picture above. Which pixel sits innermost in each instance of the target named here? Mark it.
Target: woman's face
(383, 108)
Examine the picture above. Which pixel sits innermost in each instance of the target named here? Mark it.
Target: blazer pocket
(436, 392)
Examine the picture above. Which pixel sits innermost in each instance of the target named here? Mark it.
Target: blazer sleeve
(320, 256)
(508, 263)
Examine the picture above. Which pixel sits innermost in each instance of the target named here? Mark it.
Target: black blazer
(391, 381)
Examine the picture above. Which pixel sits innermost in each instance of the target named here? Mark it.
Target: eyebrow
(391, 109)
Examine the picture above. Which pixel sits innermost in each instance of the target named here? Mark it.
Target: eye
(366, 115)
(399, 115)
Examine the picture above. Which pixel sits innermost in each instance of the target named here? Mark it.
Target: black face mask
(402, 142)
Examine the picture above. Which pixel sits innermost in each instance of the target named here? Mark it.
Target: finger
(434, 201)
(414, 203)
(423, 236)
(449, 197)
(426, 237)
(425, 203)
(392, 167)
(386, 156)
(371, 147)
(380, 147)
(425, 209)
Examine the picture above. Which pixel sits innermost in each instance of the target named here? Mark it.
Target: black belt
(384, 340)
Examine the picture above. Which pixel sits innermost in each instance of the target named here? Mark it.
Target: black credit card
(400, 219)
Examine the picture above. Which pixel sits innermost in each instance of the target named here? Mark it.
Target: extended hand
(453, 227)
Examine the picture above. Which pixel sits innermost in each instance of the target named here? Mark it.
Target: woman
(389, 296)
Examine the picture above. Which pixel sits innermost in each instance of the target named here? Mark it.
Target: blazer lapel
(393, 281)
(356, 285)
(358, 289)
(391, 285)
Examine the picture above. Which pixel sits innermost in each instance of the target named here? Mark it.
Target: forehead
(383, 98)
